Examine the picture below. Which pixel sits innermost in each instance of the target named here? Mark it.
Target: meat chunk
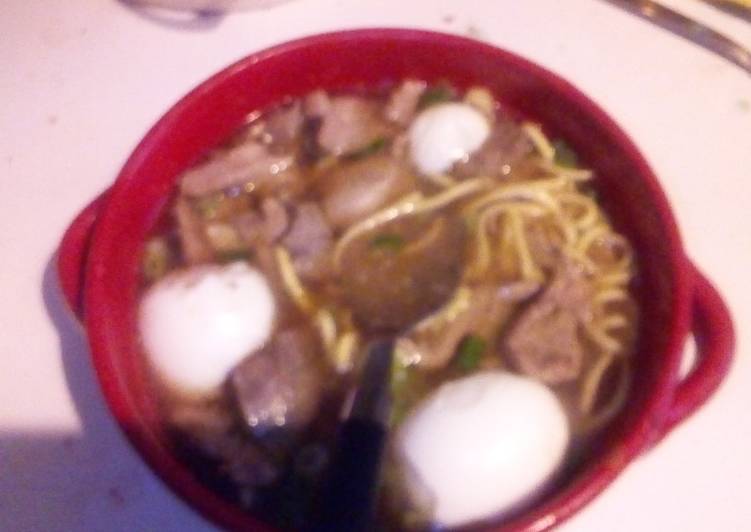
(506, 145)
(544, 341)
(390, 287)
(284, 125)
(569, 289)
(266, 226)
(482, 311)
(403, 101)
(357, 189)
(193, 241)
(281, 385)
(348, 123)
(316, 104)
(249, 164)
(545, 243)
(275, 218)
(309, 241)
(213, 429)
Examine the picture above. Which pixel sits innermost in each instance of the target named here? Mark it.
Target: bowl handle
(73, 252)
(712, 328)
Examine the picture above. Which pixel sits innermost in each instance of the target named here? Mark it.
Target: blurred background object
(205, 5)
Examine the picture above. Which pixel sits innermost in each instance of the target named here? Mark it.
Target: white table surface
(82, 80)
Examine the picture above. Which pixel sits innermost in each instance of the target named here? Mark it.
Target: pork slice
(569, 289)
(280, 385)
(544, 341)
(316, 104)
(506, 146)
(191, 231)
(213, 429)
(309, 242)
(267, 226)
(403, 101)
(544, 244)
(349, 124)
(284, 124)
(247, 164)
(355, 190)
(433, 343)
(275, 219)
(544, 344)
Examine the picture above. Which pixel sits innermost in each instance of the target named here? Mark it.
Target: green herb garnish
(438, 94)
(470, 352)
(370, 149)
(564, 155)
(387, 241)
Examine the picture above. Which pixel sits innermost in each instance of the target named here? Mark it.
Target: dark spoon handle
(348, 499)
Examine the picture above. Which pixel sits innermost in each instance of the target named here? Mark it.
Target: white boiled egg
(444, 134)
(481, 445)
(197, 324)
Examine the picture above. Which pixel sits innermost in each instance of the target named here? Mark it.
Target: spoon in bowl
(349, 494)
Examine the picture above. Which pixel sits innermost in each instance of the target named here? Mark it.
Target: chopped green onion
(470, 352)
(438, 94)
(564, 154)
(387, 241)
(370, 149)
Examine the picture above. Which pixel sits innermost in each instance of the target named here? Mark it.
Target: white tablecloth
(82, 80)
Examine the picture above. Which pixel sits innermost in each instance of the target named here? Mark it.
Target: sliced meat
(275, 219)
(570, 289)
(248, 164)
(482, 311)
(544, 341)
(544, 344)
(193, 242)
(309, 241)
(545, 242)
(280, 385)
(267, 226)
(400, 146)
(348, 123)
(403, 101)
(249, 225)
(357, 189)
(316, 104)
(284, 124)
(213, 429)
(506, 145)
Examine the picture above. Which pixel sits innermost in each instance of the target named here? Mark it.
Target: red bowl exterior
(341, 60)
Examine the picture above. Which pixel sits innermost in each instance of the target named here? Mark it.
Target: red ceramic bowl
(99, 256)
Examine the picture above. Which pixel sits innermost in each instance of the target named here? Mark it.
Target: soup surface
(421, 212)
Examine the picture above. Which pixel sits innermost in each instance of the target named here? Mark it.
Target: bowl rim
(596, 475)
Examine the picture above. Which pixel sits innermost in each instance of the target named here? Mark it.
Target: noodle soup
(421, 212)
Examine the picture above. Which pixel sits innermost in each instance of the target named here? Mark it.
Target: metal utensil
(348, 500)
(689, 29)
(737, 8)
